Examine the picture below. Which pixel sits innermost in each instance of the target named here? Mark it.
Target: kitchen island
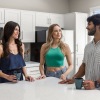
(45, 89)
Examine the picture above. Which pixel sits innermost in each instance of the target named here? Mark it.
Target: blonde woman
(52, 54)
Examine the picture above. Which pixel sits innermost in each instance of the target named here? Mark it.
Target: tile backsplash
(27, 52)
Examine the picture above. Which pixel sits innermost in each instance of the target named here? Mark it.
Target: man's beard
(92, 32)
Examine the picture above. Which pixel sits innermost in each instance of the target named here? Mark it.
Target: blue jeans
(56, 73)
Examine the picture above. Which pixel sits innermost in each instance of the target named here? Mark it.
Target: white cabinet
(81, 33)
(26, 20)
(1, 15)
(28, 26)
(12, 15)
(77, 22)
(46, 19)
(42, 19)
(57, 19)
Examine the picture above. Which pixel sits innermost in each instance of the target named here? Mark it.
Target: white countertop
(32, 64)
(45, 89)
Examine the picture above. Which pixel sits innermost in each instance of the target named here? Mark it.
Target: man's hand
(89, 85)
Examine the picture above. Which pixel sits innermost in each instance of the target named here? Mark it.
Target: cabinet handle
(48, 21)
(32, 71)
(21, 35)
(77, 47)
(77, 61)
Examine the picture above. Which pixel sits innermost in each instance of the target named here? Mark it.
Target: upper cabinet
(46, 19)
(12, 15)
(26, 20)
(1, 15)
(42, 19)
(28, 26)
(57, 19)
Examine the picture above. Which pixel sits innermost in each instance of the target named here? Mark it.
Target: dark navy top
(12, 62)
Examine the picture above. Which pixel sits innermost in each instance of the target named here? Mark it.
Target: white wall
(53, 6)
(82, 5)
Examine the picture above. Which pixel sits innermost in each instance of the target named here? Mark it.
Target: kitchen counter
(45, 89)
(32, 64)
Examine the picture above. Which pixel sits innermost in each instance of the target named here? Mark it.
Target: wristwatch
(97, 84)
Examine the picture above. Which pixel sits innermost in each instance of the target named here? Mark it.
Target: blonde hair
(50, 40)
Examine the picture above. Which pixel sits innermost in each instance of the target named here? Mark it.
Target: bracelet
(97, 84)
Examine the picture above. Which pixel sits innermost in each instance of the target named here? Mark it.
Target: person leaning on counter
(52, 54)
(91, 61)
(11, 54)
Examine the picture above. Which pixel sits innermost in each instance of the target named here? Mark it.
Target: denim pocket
(48, 74)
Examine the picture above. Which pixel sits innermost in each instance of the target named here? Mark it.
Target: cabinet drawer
(33, 70)
(34, 75)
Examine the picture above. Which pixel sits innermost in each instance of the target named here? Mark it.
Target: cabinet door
(77, 22)
(57, 19)
(28, 26)
(42, 19)
(79, 59)
(1, 15)
(12, 15)
(81, 32)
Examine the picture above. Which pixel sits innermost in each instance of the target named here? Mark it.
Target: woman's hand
(63, 77)
(41, 77)
(12, 78)
(29, 78)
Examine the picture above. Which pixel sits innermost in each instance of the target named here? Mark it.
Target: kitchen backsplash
(27, 52)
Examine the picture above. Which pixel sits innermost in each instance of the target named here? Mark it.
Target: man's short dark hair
(95, 19)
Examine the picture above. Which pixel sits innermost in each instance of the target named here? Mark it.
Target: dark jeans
(11, 72)
(56, 73)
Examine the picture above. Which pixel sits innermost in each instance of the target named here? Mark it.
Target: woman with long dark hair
(12, 65)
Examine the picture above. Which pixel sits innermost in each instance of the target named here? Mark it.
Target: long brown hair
(50, 40)
(8, 31)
